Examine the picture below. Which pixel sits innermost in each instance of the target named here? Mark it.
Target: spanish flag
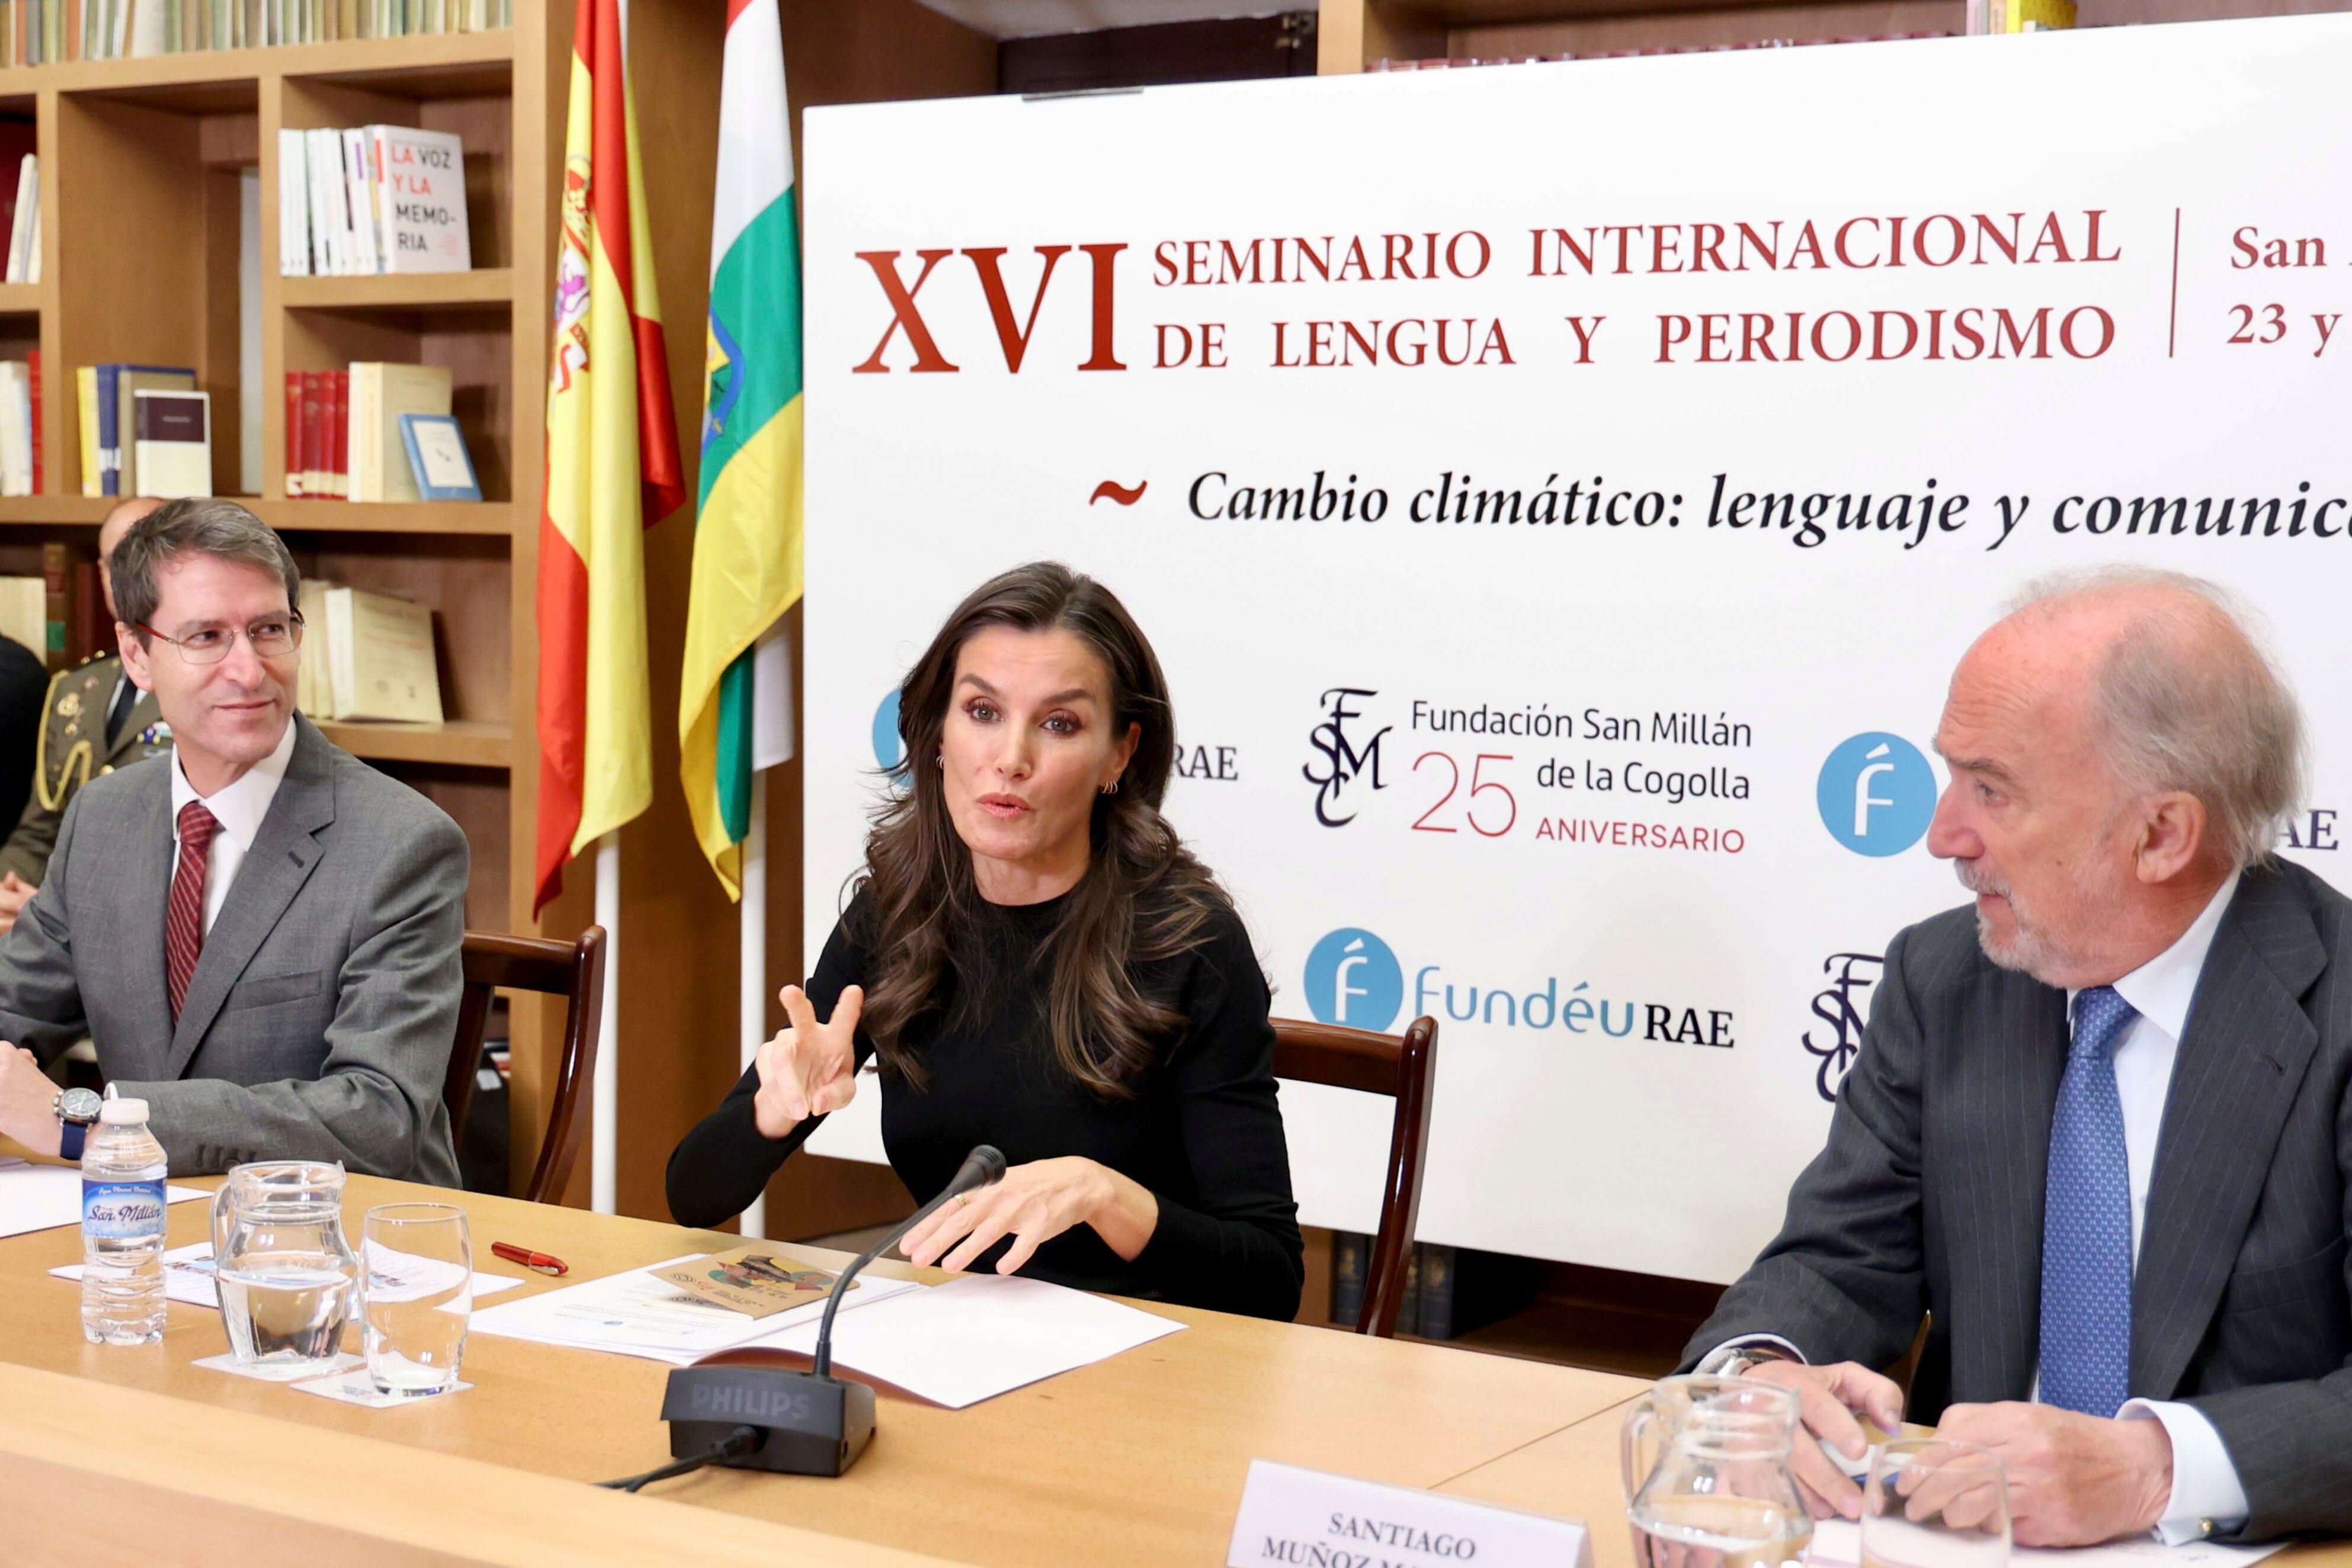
(613, 468)
(734, 712)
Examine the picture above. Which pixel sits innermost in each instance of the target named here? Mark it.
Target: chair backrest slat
(1400, 1066)
(573, 971)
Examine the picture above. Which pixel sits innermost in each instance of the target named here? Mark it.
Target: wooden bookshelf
(454, 742)
(488, 286)
(141, 162)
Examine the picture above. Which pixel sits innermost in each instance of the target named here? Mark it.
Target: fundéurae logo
(1353, 979)
(887, 747)
(1876, 794)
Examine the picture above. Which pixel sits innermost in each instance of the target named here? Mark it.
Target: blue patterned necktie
(2086, 1256)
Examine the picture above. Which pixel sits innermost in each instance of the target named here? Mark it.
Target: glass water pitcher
(1707, 1478)
(287, 1274)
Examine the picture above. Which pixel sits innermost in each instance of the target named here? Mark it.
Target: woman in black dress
(1032, 959)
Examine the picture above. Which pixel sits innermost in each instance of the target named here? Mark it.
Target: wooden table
(1574, 1471)
(1136, 1460)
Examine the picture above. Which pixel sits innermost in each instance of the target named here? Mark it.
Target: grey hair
(198, 525)
(2219, 724)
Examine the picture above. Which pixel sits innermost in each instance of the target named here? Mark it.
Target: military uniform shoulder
(72, 691)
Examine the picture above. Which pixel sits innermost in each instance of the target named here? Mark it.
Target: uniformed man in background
(95, 721)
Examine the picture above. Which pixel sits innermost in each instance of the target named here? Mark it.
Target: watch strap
(71, 1135)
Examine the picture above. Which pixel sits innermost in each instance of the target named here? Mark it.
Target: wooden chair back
(1400, 1066)
(573, 971)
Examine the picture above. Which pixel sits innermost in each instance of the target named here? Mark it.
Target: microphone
(809, 1423)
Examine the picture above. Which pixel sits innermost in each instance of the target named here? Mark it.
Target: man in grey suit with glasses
(2100, 1127)
(259, 932)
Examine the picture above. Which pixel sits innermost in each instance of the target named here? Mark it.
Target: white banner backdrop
(1564, 491)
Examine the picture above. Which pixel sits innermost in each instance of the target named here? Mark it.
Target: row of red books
(318, 436)
(1636, 53)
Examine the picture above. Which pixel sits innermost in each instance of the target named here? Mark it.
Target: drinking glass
(1929, 1502)
(416, 1293)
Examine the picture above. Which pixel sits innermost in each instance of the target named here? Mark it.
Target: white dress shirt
(238, 807)
(2207, 1494)
(2206, 1491)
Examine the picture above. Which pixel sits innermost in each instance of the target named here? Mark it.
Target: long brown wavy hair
(1143, 898)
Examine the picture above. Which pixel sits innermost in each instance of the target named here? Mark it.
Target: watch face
(79, 1106)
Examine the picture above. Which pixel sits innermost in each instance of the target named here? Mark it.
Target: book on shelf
(437, 459)
(297, 486)
(379, 658)
(371, 200)
(24, 223)
(43, 32)
(108, 398)
(93, 471)
(172, 435)
(19, 429)
(33, 392)
(313, 691)
(1449, 1290)
(2019, 15)
(380, 393)
(25, 613)
(318, 418)
(56, 602)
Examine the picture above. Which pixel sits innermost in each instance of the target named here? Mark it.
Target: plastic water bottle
(122, 1172)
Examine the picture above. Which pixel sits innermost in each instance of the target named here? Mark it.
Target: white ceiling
(1030, 18)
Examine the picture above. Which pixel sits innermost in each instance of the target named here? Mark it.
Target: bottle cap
(123, 1112)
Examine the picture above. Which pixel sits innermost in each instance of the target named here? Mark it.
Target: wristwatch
(76, 1110)
(1734, 1360)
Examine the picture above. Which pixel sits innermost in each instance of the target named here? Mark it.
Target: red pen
(542, 1262)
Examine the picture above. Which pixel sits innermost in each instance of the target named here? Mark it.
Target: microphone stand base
(809, 1426)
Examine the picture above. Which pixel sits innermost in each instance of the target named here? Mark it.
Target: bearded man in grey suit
(2100, 1125)
(259, 932)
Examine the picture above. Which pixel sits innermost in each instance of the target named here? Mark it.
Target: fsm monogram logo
(1346, 758)
(1353, 978)
(1876, 794)
(1840, 1005)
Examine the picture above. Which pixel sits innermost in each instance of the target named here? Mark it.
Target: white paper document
(42, 1198)
(636, 1314)
(1837, 1543)
(277, 1371)
(357, 1388)
(981, 1336)
(188, 1277)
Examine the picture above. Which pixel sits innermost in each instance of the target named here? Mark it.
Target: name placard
(1309, 1519)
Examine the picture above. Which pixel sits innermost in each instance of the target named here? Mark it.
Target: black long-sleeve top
(1203, 1134)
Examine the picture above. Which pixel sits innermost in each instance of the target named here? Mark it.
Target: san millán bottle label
(122, 1210)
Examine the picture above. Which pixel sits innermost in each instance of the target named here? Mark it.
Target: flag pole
(753, 916)
(604, 1156)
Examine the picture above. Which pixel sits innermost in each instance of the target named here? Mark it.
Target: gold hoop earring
(1111, 788)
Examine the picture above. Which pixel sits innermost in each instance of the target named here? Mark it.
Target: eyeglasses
(273, 637)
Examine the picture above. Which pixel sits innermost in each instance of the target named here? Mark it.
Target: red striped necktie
(183, 916)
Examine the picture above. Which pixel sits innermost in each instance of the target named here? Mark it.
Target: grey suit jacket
(1928, 1195)
(319, 1020)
